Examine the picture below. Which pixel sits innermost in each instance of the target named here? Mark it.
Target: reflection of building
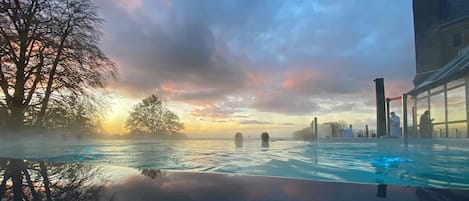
(442, 57)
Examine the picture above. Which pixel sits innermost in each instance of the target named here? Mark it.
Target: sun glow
(119, 107)
(251, 122)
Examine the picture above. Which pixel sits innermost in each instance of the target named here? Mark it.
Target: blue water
(435, 163)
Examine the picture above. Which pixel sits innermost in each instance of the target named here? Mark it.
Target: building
(442, 65)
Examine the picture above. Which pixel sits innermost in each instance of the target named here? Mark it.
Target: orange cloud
(168, 88)
(299, 79)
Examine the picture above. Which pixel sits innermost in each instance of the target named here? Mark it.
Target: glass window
(423, 94)
(457, 104)
(439, 130)
(422, 106)
(457, 130)
(437, 108)
(436, 89)
(455, 83)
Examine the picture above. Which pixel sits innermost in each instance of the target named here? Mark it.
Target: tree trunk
(17, 105)
(3, 185)
(31, 185)
(17, 178)
(46, 181)
(18, 108)
(16, 121)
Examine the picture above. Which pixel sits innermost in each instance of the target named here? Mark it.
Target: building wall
(448, 35)
(434, 38)
(427, 17)
(441, 31)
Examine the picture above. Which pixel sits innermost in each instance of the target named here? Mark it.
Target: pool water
(428, 163)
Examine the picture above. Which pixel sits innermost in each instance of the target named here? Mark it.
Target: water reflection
(28, 180)
(382, 190)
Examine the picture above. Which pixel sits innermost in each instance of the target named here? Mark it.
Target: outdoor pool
(428, 163)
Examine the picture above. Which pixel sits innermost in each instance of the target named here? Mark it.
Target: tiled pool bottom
(35, 180)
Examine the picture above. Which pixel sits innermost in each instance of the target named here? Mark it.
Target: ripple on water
(426, 163)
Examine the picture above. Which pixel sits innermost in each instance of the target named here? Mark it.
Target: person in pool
(265, 139)
(238, 139)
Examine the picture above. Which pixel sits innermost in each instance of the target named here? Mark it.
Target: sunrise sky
(252, 65)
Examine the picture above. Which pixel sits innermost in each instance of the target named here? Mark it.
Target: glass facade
(457, 130)
(422, 106)
(439, 130)
(437, 105)
(457, 104)
(447, 107)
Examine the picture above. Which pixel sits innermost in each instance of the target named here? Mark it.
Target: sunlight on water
(441, 163)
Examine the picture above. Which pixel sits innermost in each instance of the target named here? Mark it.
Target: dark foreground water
(38, 180)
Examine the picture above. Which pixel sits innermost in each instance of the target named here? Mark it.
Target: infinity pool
(428, 163)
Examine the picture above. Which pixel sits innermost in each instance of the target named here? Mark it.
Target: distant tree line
(337, 127)
(306, 133)
(50, 64)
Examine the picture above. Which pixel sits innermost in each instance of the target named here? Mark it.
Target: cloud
(257, 122)
(225, 109)
(254, 122)
(178, 50)
(130, 5)
(212, 112)
(285, 103)
(281, 56)
(307, 81)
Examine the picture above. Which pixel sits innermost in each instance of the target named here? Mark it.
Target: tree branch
(3, 83)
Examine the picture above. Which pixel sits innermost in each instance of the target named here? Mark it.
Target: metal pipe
(316, 128)
(414, 122)
(388, 122)
(366, 131)
(406, 131)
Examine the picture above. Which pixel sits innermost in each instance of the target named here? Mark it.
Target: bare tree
(74, 115)
(49, 50)
(305, 134)
(151, 116)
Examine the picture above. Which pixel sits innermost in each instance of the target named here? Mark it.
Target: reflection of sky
(437, 104)
(83, 182)
(223, 63)
(456, 104)
(193, 186)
